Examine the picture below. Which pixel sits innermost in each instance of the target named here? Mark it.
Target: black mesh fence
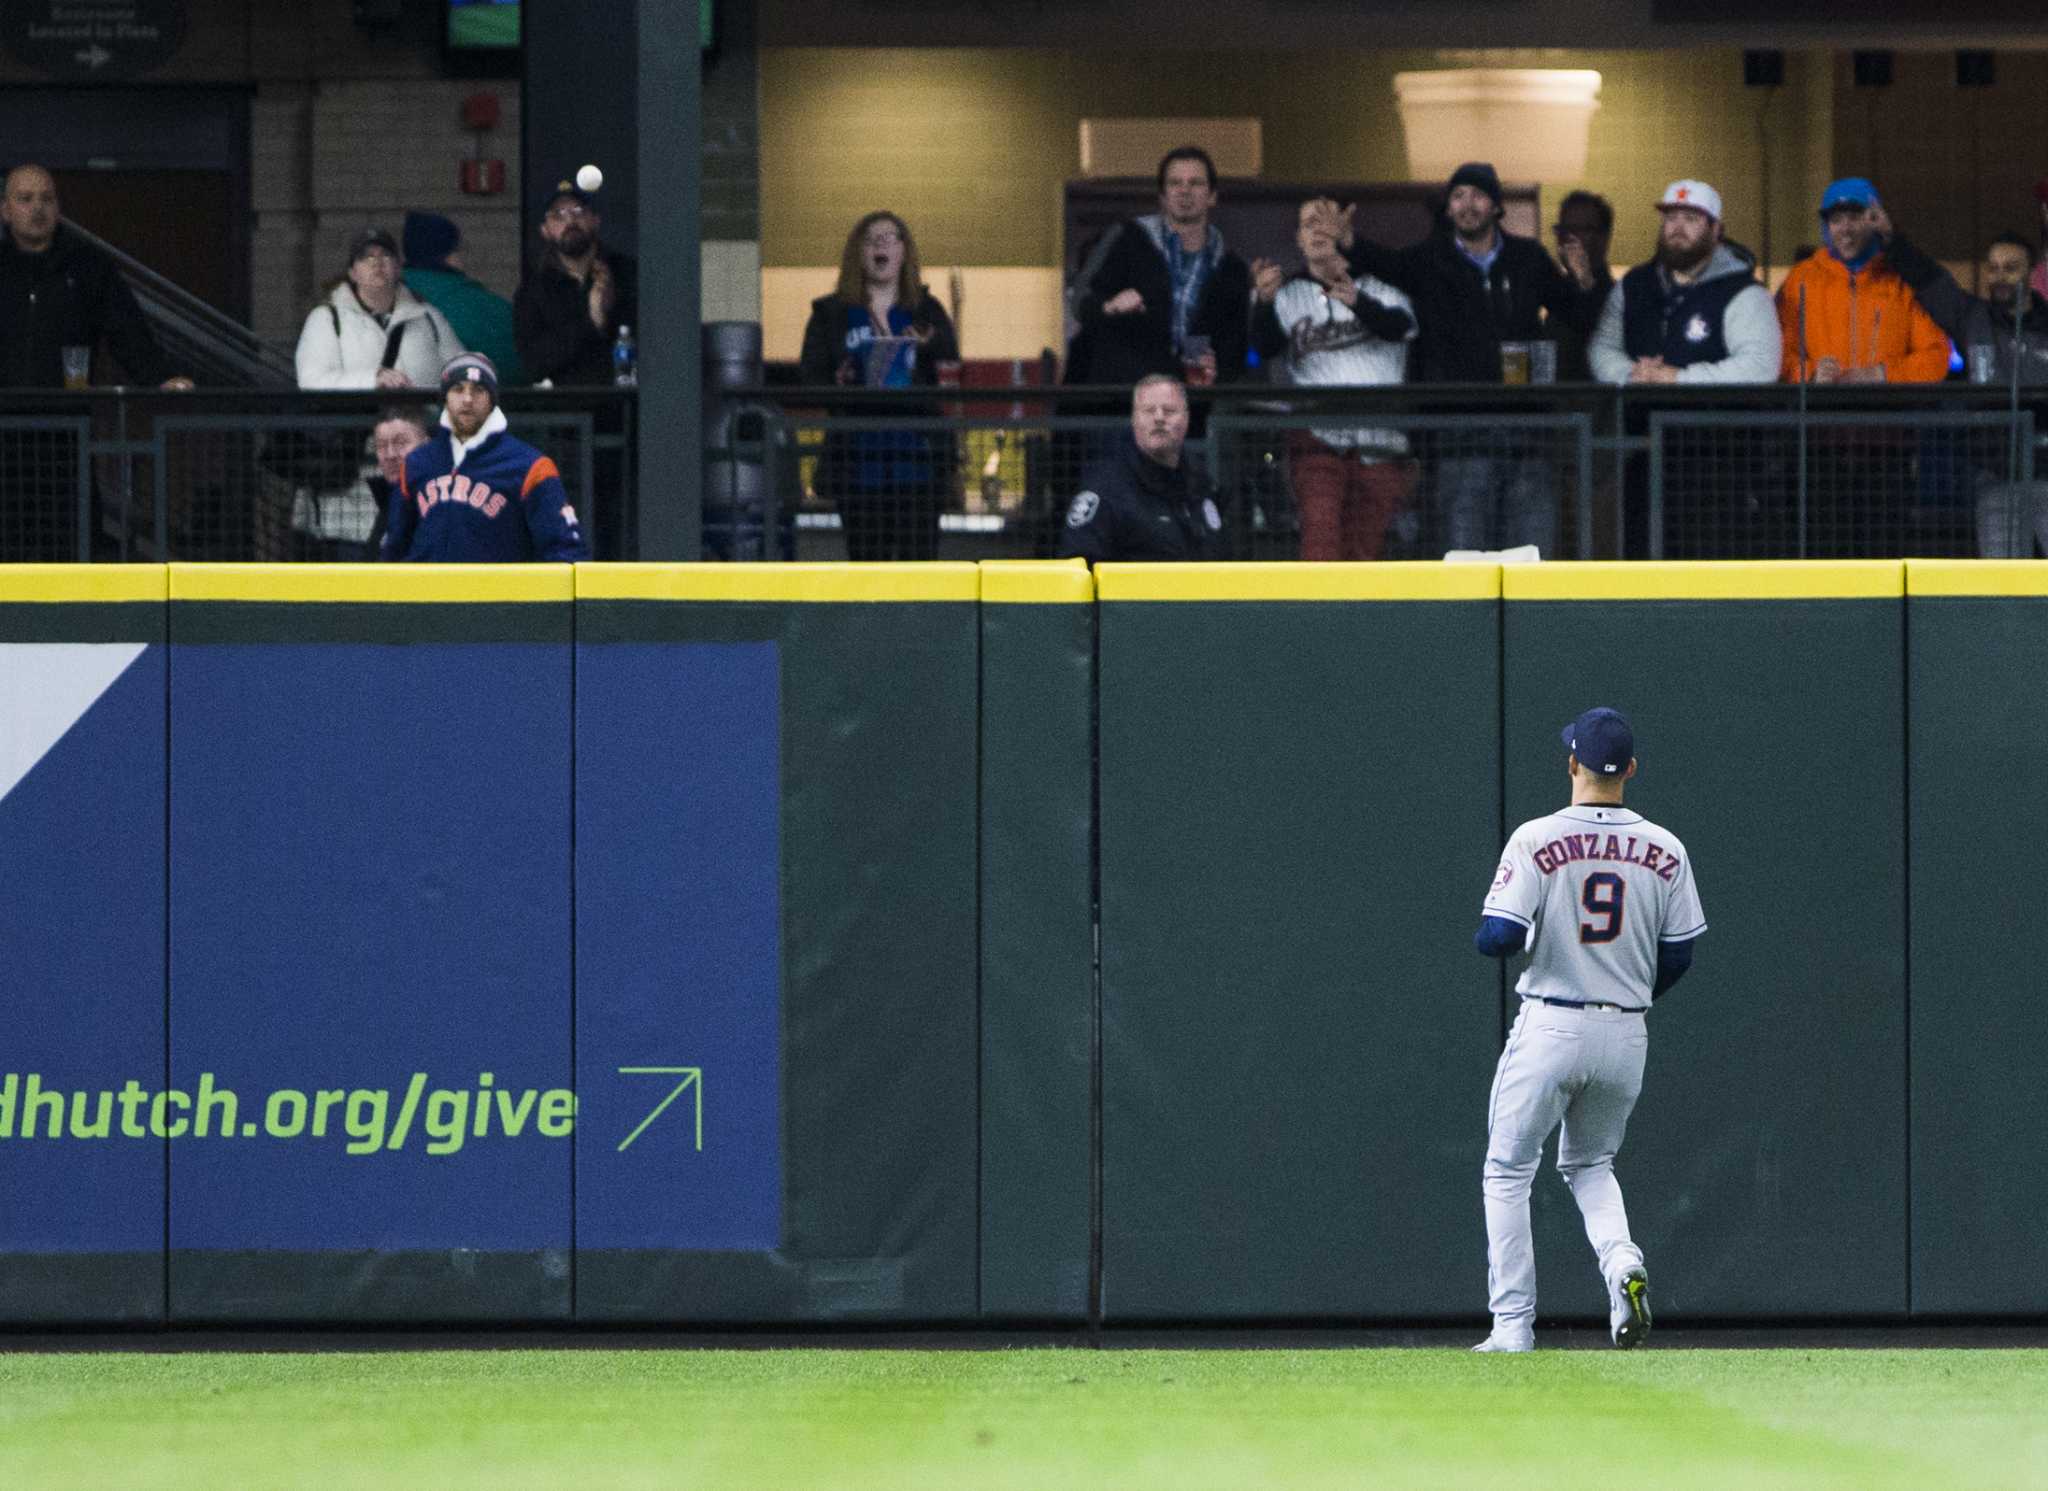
(1765, 485)
(1403, 485)
(116, 475)
(1360, 474)
(46, 489)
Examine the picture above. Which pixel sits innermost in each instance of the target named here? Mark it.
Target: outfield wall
(719, 944)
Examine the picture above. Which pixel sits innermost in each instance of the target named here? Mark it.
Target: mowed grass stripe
(856, 1419)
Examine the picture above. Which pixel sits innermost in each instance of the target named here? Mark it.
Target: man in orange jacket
(1847, 316)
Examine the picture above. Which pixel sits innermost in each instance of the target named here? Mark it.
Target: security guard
(1139, 501)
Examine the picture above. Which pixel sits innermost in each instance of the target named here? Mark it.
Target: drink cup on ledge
(77, 367)
(1543, 362)
(1983, 363)
(1514, 362)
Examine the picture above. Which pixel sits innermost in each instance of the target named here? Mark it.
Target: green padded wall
(1037, 939)
(1765, 1165)
(1299, 799)
(1977, 638)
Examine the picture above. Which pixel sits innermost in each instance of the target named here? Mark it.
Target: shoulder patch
(1210, 516)
(1081, 512)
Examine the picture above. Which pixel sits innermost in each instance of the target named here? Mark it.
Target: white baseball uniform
(1598, 887)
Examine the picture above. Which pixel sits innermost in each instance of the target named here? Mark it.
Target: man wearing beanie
(474, 494)
(1846, 314)
(1474, 287)
(434, 271)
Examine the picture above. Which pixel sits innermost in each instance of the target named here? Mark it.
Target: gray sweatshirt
(1749, 326)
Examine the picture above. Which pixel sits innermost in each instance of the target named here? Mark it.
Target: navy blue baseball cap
(1603, 740)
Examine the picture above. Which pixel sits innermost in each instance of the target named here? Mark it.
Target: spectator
(473, 493)
(1980, 321)
(1475, 287)
(2038, 280)
(370, 331)
(568, 313)
(882, 328)
(1153, 283)
(56, 291)
(2008, 326)
(400, 430)
(434, 271)
(1323, 328)
(1847, 317)
(1584, 231)
(1139, 500)
(1694, 313)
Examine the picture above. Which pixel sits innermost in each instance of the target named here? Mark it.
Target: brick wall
(330, 157)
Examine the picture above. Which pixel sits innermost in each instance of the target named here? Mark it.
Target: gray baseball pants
(1582, 1069)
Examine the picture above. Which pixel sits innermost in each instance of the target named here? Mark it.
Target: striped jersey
(1598, 887)
(1327, 346)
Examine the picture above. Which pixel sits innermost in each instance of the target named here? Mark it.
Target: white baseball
(590, 178)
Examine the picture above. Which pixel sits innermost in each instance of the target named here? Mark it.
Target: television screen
(483, 24)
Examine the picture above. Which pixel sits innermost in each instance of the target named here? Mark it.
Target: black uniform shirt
(1131, 507)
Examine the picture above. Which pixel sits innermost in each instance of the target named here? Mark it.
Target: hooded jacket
(1720, 328)
(1861, 318)
(1971, 320)
(342, 344)
(494, 500)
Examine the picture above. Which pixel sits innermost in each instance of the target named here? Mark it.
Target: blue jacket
(506, 505)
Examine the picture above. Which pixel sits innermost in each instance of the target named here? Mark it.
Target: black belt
(1587, 1004)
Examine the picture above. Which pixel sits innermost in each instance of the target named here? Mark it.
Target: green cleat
(1631, 1312)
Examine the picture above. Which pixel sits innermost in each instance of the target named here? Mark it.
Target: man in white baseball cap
(1693, 314)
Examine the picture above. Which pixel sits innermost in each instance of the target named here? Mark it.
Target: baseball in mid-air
(590, 178)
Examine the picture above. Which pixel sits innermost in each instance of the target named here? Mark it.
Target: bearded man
(1693, 314)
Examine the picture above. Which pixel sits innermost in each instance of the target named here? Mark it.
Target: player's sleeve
(550, 520)
(1516, 893)
(1683, 918)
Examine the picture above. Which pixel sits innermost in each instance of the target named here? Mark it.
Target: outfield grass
(1028, 1418)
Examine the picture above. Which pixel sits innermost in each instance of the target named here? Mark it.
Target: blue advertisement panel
(678, 947)
(370, 968)
(82, 1124)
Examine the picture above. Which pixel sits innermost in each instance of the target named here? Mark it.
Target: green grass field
(788, 1418)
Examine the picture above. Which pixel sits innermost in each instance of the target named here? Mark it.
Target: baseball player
(1604, 900)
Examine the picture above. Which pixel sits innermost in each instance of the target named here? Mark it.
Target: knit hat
(1480, 174)
(369, 238)
(429, 239)
(471, 367)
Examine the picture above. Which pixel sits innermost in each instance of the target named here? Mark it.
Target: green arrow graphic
(693, 1077)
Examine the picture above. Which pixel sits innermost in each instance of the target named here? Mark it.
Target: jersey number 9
(1602, 897)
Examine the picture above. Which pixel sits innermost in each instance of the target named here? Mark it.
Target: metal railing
(1580, 470)
(120, 474)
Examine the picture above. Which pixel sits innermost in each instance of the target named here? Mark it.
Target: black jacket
(1122, 349)
(1463, 315)
(551, 322)
(883, 463)
(70, 295)
(1131, 507)
(1972, 320)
